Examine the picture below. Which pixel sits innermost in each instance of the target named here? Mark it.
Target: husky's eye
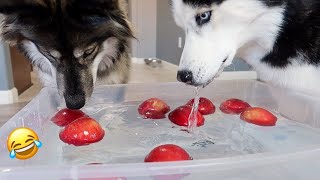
(90, 50)
(55, 54)
(203, 18)
(52, 55)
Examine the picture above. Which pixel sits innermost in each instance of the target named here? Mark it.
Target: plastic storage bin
(225, 148)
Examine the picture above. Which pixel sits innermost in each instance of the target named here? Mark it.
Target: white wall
(6, 78)
(144, 19)
(168, 33)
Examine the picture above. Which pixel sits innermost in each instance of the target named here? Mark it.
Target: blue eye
(203, 18)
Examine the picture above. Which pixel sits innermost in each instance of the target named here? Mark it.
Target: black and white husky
(280, 39)
(73, 43)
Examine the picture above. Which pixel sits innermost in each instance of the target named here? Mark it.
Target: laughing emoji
(23, 143)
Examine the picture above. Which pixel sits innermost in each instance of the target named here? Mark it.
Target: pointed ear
(21, 7)
(93, 12)
(27, 12)
(93, 6)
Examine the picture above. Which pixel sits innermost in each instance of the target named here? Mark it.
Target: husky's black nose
(185, 76)
(75, 101)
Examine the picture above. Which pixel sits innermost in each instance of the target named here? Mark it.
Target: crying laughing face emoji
(23, 143)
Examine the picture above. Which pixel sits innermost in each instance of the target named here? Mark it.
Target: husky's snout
(185, 76)
(79, 45)
(75, 101)
(75, 84)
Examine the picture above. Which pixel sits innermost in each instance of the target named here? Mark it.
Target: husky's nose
(75, 101)
(185, 76)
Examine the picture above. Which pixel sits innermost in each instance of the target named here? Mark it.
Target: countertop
(142, 73)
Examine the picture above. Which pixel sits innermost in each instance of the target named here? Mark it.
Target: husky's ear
(99, 14)
(17, 7)
(93, 11)
(101, 7)
(18, 17)
(31, 12)
(108, 4)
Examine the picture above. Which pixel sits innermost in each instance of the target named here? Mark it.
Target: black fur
(64, 25)
(200, 3)
(300, 32)
(271, 3)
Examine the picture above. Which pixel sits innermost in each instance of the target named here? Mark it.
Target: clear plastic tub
(225, 148)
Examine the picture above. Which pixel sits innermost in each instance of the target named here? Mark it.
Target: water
(192, 121)
(129, 137)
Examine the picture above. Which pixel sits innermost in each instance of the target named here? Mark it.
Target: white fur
(302, 77)
(109, 50)
(233, 24)
(47, 72)
(244, 29)
(56, 54)
(78, 53)
(298, 75)
(1, 25)
(238, 28)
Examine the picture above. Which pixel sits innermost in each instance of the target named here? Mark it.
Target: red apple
(259, 116)
(206, 107)
(168, 152)
(153, 108)
(83, 131)
(66, 116)
(234, 106)
(180, 116)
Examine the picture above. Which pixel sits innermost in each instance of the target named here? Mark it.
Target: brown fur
(68, 29)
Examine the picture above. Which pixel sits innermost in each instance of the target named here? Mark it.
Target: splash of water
(192, 121)
(12, 154)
